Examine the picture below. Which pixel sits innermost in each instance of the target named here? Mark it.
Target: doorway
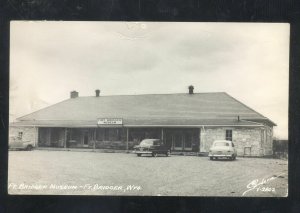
(85, 138)
(182, 139)
(177, 142)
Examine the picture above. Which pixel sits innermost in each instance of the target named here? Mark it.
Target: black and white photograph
(148, 108)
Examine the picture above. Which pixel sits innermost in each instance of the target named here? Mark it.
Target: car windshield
(221, 144)
(147, 142)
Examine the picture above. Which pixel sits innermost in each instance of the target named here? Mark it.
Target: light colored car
(222, 149)
(16, 143)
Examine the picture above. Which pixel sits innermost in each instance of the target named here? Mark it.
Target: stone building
(186, 122)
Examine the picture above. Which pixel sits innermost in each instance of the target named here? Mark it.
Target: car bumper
(219, 155)
(16, 148)
(142, 152)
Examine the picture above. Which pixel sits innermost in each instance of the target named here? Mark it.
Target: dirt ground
(93, 173)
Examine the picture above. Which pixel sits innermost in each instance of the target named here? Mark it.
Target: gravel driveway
(94, 173)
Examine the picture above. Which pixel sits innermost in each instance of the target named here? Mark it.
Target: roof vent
(97, 92)
(191, 89)
(74, 94)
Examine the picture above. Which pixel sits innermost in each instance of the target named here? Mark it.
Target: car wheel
(168, 153)
(211, 158)
(29, 148)
(154, 154)
(139, 155)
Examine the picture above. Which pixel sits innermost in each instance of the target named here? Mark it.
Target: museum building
(186, 122)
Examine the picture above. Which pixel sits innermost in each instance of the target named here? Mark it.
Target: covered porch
(118, 138)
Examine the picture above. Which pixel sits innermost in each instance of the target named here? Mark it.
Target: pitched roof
(153, 109)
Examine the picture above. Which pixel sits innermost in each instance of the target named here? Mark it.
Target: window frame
(228, 135)
(20, 135)
(106, 134)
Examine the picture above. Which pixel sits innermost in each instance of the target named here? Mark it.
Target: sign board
(110, 121)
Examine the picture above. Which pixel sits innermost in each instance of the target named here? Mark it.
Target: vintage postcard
(148, 108)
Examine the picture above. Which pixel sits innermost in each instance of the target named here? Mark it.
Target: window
(177, 141)
(99, 134)
(106, 134)
(147, 142)
(188, 141)
(20, 135)
(228, 135)
(119, 134)
(156, 143)
(112, 134)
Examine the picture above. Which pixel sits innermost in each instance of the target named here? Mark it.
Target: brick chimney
(74, 94)
(97, 92)
(191, 89)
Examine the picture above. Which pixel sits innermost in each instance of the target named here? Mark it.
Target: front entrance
(177, 142)
(182, 139)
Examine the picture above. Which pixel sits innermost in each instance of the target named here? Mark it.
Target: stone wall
(254, 141)
(248, 141)
(268, 145)
(208, 135)
(28, 133)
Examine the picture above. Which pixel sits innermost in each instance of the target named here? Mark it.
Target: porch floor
(82, 149)
(185, 153)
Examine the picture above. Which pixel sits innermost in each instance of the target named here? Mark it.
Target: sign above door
(110, 121)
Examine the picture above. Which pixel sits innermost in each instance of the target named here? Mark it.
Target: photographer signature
(256, 183)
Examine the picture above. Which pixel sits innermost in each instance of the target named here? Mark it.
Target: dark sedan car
(151, 146)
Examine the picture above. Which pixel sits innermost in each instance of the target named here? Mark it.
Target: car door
(162, 147)
(157, 145)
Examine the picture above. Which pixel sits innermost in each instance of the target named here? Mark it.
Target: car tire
(139, 155)
(168, 153)
(154, 154)
(29, 148)
(211, 158)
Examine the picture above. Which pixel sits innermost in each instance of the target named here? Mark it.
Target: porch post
(95, 137)
(103, 135)
(36, 137)
(200, 144)
(127, 138)
(202, 139)
(49, 136)
(65, 140)
(162, 134)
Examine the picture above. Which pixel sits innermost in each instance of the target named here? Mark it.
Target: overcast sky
(248, 61)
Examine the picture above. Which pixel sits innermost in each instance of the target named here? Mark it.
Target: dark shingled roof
(148, 110)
